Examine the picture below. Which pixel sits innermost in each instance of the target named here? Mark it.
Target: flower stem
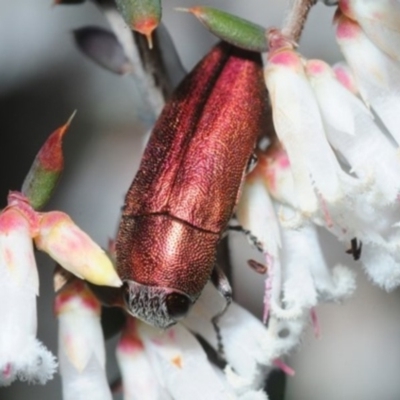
(296, 18)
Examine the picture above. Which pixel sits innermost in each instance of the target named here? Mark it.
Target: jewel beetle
(188, 183)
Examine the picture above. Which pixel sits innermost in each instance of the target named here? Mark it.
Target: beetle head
(158, 306)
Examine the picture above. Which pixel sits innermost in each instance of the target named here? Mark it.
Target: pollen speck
(177, 361)
(8, 258)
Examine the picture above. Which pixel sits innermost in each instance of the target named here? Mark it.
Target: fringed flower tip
(34, 364)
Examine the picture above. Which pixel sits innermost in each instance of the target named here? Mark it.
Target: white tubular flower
(303, 249)
(242, 338)
(74, 250)
(274, 168)
(298, 277)
(365, 209)
(251, 348)
(171, 364)
(81, 345)
(376, 73)
(351, 130)
(255, 211)
(382, 267)
(22, 356)
(300, 129)
(181, 366)
(376, 161)
(287, 67)
(138, 378)
(380, 256)
(380, 20)
(298, 282)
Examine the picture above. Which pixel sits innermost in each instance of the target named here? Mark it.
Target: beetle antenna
(221, 283)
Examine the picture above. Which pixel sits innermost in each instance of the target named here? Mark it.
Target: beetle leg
(251, 238)
(221, 283)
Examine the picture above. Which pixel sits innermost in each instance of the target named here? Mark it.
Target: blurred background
(43, 78)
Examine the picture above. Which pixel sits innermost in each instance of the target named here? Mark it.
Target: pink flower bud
(45, 172)
(74, 250)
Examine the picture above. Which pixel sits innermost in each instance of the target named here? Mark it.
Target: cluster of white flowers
(22, 356)
(333, 162)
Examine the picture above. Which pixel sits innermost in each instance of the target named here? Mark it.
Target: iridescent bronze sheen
(188, 183)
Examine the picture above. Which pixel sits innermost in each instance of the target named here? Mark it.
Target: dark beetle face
(160, 307)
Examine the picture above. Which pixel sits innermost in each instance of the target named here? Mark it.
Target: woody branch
(296, 18)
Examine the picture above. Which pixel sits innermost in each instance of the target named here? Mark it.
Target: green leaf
(232, 29)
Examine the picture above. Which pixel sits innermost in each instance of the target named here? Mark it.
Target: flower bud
(74, 250)
(46, 169)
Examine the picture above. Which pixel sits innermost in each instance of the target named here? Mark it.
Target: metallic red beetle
(188, 183)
